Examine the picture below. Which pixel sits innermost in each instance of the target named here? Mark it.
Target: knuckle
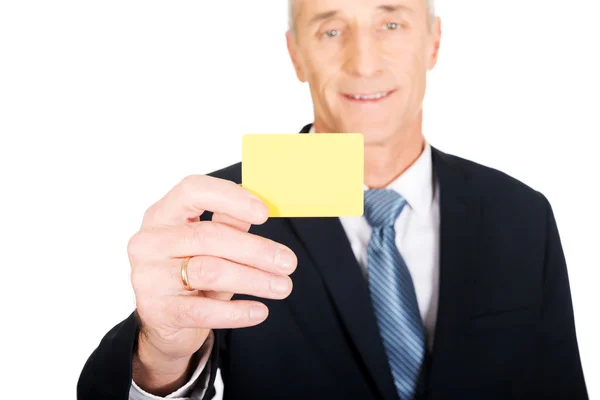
(192, 184)
(137, 281)
(149, 213)
(205, 271)
(263, 286)
(271, 251)
(189, 229)
(186, 188)
(134, 247)
(199, 234)
(273, 255)
(235, 314)
(189, 182)
(204, 234)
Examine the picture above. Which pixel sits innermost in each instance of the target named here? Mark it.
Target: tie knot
(382, 207)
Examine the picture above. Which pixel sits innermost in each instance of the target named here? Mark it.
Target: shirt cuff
(196, 386)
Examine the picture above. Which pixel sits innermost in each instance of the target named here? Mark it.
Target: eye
(391, 26)
(332, 33)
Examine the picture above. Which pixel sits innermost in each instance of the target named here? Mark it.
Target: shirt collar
(416, 184)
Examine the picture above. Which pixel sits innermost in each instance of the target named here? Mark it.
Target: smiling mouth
(367, 98)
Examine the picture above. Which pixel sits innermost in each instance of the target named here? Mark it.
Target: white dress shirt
(417, 237)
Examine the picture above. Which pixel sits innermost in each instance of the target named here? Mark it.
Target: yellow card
(305, 175)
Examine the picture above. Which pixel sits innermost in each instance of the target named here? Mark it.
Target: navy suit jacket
(505, 327)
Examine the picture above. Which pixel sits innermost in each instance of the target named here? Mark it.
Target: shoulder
(514, 221)
(505, 202)
(494, 185)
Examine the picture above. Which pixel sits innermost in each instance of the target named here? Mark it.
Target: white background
(104, 105)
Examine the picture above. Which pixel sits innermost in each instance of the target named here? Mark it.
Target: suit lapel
(327, 244)
(459, 220)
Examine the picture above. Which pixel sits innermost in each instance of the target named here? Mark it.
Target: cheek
(409, 70)
(404, 61)
(316, 86)
(323, 78)
(324, 62)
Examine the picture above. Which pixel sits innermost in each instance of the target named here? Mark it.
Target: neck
(387, 159)
(384, 162)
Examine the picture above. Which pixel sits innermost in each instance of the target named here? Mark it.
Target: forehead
(310, 7)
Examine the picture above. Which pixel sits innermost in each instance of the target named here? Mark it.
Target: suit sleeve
(559, 368)
(107, 374)
(195, 387)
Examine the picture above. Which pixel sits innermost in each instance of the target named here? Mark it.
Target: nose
(362, 54)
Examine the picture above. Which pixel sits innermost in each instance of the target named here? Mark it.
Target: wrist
(155, 372)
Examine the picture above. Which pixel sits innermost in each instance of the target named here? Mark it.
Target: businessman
(452, 285)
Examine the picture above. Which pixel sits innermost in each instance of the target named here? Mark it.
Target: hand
(225, 259)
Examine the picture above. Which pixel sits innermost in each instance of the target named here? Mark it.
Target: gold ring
(184, 275)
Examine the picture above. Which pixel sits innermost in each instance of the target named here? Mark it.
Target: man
(452, 285)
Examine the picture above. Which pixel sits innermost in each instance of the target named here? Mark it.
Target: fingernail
(279, 285)
(258, 312)
(284, 258)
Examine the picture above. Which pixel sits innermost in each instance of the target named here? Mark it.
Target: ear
(436, 37)
(293, 51)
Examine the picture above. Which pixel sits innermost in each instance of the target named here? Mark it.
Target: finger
(208, 238)
(201, 312)
(233, 222)
(236, 223)
(198, 193)
(217, 274)
(218, 295)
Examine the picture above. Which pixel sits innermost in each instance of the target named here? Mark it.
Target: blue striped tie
(393, 293)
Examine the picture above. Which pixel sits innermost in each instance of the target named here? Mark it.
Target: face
(365, 62)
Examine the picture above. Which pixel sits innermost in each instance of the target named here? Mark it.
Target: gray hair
(292, 13)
